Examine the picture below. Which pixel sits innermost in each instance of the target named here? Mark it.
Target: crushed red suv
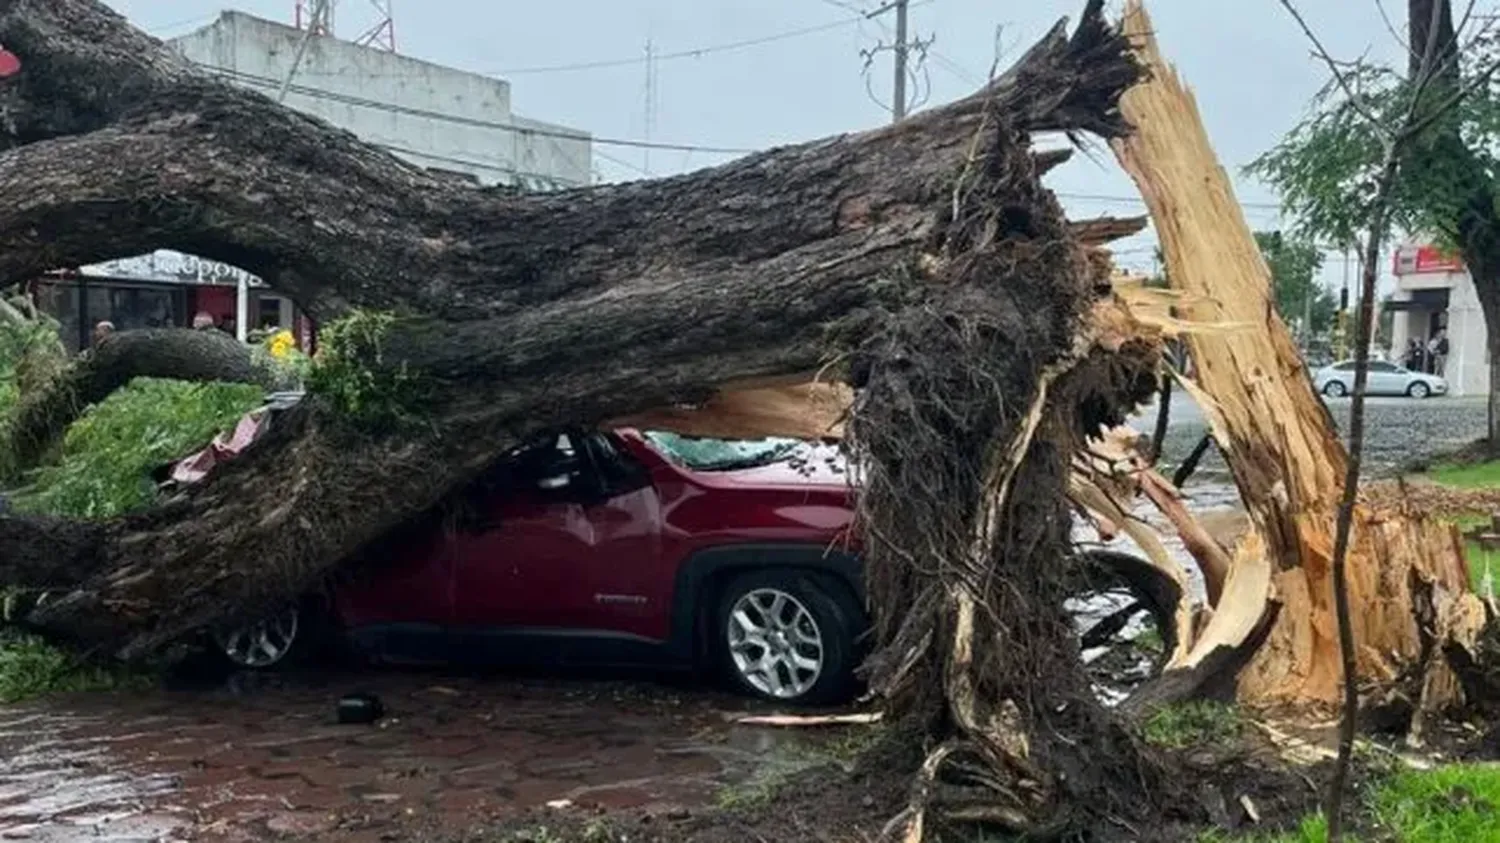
(613, 548)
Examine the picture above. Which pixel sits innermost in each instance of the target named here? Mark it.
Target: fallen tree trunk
(512, 312)
(1280, 443)
(924, 262)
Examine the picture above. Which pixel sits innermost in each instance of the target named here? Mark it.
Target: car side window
(617, 471)
(1344, 367)
(553, 464)
(1381, 366)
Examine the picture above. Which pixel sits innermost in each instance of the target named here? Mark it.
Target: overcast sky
(1248, 62)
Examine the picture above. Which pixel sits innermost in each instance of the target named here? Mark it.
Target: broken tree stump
(1278, 439)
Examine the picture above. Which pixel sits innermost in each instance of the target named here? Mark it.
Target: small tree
(1294, 262)
(1448, 185)
(1357, 169)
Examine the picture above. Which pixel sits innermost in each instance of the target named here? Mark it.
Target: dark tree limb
(1163, 419)
(1190, 465)
(43, 416)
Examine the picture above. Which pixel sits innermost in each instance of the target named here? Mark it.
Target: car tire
(295, 634)
(1419, 390)
(796, 620)
(1335, 389)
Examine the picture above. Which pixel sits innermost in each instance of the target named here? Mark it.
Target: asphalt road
(1397, 430)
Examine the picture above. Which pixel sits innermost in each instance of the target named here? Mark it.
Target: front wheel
(262, 644)
(789, 638)
(1335, 389)
(1419, 390)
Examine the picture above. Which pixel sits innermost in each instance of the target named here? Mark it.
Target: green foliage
(277, 351)
(1452, 804)
(1294, 263)
(109, 452)
(1326, 168)
(1193, 724)
(30, 667)
(351, 371)
(29, 354)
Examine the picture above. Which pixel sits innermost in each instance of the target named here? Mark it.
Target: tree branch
(1333, 67)
(44, 414)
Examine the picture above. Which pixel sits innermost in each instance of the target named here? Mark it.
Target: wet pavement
(450, 756)
(1398, 431)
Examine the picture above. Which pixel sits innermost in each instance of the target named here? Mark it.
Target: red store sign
(1424, 260)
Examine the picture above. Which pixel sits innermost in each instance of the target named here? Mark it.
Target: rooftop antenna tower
(382, 34)
(317, 18)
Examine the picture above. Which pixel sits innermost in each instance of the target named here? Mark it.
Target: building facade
(435, 117)
(165, 290)
(1433, 293)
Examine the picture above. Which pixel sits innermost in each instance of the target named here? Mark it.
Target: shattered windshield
(721, 454)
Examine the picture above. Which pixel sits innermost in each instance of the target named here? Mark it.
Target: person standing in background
(1439, 348)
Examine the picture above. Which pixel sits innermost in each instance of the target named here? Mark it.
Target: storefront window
(268, 313)
(133, 308)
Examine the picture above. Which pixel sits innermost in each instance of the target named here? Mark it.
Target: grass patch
(1192, 724)
(109, 452)
(30, 667)
(1479, 475)
(1458, 803)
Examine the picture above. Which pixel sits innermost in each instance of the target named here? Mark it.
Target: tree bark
(514, 312)
(1484, 269)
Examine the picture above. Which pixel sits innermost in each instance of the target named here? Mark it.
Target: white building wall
(1468, 365)
(1467, 369)
(430, 115)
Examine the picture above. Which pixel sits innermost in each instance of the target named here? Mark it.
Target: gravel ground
(1397, 430)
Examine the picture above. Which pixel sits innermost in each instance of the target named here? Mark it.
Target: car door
(549, 552)
(1386, 379)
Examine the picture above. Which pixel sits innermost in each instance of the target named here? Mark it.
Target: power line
(347, 99)
(697, 52)
(637, 168)
(469, 162)
(1136, 200)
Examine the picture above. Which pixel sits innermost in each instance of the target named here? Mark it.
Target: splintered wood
(1278, 438)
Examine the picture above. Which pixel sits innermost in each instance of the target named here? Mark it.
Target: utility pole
(898, 104)
(650, 101)
(902, 49)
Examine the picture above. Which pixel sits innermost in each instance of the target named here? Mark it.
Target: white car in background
(1337, 379)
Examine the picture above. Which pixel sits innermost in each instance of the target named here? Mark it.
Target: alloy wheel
(263, 643)
(775, 643)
